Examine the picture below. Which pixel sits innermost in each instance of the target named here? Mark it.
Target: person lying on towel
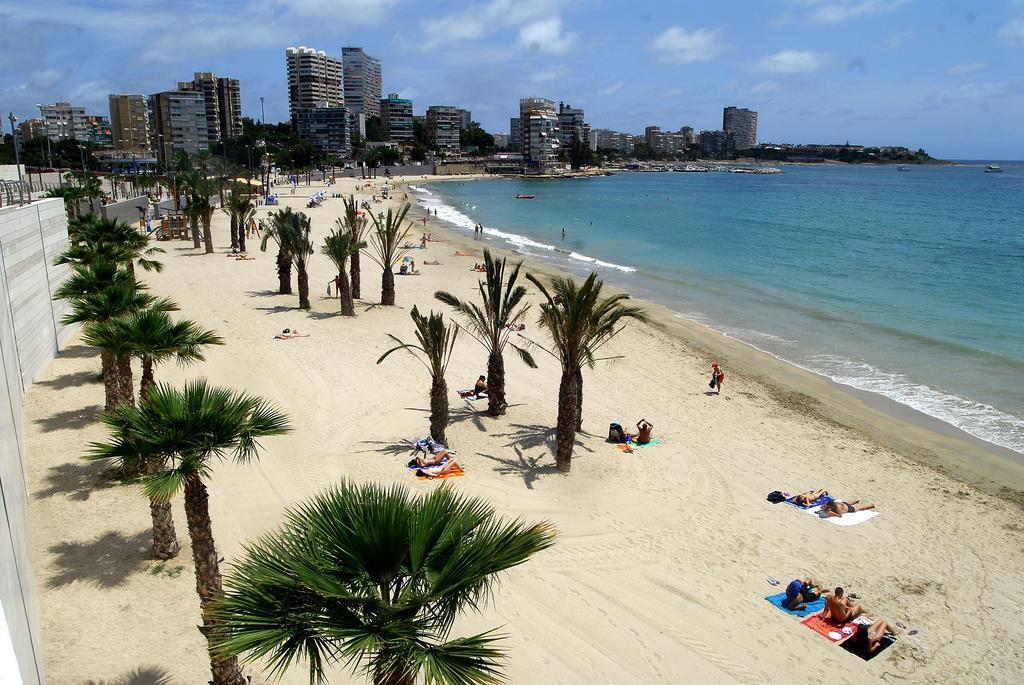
(805, 499)
(799, 592)
(837, 508)
(450, 464)
(838, 607)
(869, 638)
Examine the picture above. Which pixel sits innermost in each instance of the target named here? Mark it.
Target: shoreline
(993, 469)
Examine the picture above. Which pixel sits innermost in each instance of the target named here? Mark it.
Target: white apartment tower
(314, 80)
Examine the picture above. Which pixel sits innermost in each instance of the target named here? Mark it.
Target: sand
(664, 554)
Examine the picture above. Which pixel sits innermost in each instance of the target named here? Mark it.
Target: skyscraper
(465, 118)
(443, 127)
(62, 121)
(229, 100)
(742, 123)
(178, 124)
(129, 122)
(362, 82)
(314, 80)
(328, 128)
(570, 125)
(515, 134)
(222, 98)
(396, 118)
(541, 137)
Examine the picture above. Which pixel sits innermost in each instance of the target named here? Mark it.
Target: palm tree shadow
(71, 419)
(389, 448)
(469, 413)
(79, 352)
(262, 293)
(529, 468)
(320, 316)
(71, 380)
(279, 308)
(106, 561)
(143, 675)
(76, 480)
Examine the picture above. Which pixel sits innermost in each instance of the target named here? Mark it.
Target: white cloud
(898, 39)
(794, 62)
(483, 19)
(679, 46)
(970, 68)
(552, 73)
(765, 87)
(838, 11)
(546, 36)
(1012, 32)
(975, 91)
(611, 89)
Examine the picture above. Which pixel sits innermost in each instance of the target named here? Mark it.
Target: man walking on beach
(717, 376)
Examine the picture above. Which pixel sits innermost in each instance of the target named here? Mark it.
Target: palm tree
(338, 247)
(184, 431)
(355, 223)
(241, 210)
(375, 578)
(491, 324)
(580, 322)
(72, 196)
(279, 229)
(386, 241)
(200, 204)
(184, 181)
(94, 239)
(434, 350)
(302, 249)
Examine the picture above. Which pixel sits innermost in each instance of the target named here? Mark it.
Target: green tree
(94, 239)
(435, 344)
(200, 204)
(338, 247)
(476, 136)
(375, 578)
(185, 431)
(386, 248)
(241, 209)
(290, 230)
(580, 321)
(355, 223)
(490, 323)
(374, 130)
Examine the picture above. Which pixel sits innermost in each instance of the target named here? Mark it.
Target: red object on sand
(824, 626)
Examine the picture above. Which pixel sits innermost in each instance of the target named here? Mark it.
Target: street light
(17, 159)
(263, 114)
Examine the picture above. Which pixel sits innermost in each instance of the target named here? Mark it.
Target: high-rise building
(515, 134)
(500, 140)
(313, 78)
(362, 82)
(667, 143)
(98, 131)
(606, 139)
(205, 83)
(129, 122)
(541, 137)
(31, 128)
(687, 133)
(717, 144)
(178, 124)
(223, 100)
(62, 121)
(465, 118)
(396, 118)
(742, 123)
(328, 128)
(443, 127)
(570, 125)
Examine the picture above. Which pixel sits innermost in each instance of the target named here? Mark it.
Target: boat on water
(993, 169)
(524, 196)
(902, 168)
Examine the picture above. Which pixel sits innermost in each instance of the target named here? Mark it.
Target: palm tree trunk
(165, 539)
(207, 233)
(241, 237)
(354, 270)
(234, 232)
(194, 227)
(565, 433)
(387, 286)
(208, 579)
(579, 400)
(303, 280)
(439, 409)
(148, 380)
(124, 379)
(348, 307)
(284, 273)
(111, 383)
(381, 677)
(496, 384)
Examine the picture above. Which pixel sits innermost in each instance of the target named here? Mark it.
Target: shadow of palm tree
(263, 293)
(106, 561)
(76, 480)
(528, 468)
(143, 675)
(469, 413)
(71, 380)
(529, 436)
(280, 308)
(389, 448)
(319, 316)
(71, 419)
(79, 352)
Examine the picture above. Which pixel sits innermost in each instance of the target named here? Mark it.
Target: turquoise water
(908, 284)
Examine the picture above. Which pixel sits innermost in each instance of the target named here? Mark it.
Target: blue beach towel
(816, 503)
(812, 607)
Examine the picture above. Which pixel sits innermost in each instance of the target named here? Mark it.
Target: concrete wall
(30, 335)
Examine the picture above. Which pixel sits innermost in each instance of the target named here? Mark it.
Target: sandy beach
(664, 554)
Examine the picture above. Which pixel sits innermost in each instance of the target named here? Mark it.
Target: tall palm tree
(355, 223)
(436, 341)
(200, 201)
(93, 239)
(375, 578)
(241, 210)
(184, 182)
(338, 247)
(386, 240)
(581, 321)
(302, 250)
(281, 228)
(184, 431)
(491, 324)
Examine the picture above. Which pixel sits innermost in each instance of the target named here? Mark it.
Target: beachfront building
(515, 134)
(63, 121)
(396, 118)
(667, 143)
(129, 122)
(362, 82)
(178, 124)
(328, 128)
(443, 127)
(222, 99)
(31, 128)
(717, 144)
(614, 141)
(465, 119)
(501, 140)
(742, 124)
(571, 126)
(313, 77)
(97, 130)
(540, 132)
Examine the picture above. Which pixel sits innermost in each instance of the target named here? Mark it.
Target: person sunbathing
(644, 435)
(838, 607)
(463, 254)
(439, 470)
(480, 386)
(289, 333)
(868, 638)
(799, 592)
(805, 499)
(836, 508)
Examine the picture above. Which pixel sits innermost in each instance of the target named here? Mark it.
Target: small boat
(524, 196)
(993, 169)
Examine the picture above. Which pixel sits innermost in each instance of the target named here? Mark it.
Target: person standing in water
(563, 233)
(717, 376)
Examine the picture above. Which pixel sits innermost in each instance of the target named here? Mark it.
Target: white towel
(846, 519)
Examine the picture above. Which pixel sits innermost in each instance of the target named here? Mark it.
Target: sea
(909, 284)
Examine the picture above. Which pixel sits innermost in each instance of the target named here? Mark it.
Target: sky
(943, 75)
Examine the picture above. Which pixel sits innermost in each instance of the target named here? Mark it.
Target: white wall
(31, 237)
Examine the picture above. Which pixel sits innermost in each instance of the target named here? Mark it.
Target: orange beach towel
(828, 628)
(451, 474)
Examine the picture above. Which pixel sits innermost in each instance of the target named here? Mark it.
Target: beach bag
(714, 380)
(615, 433)
(776, 496)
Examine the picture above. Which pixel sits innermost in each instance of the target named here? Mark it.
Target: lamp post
(17, 159)
(263, 114)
